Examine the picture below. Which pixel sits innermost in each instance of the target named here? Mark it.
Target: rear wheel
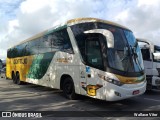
(14, 78)
(68, 89)
(18, 79)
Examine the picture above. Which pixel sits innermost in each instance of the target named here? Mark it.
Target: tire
(14, 78)
(18, 79)
(68, 89)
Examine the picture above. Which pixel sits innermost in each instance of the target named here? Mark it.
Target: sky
(21, 19)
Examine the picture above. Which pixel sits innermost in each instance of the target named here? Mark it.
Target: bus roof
(83, 20)
(70, 23)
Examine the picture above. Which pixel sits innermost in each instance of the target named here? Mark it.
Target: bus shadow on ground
(56, 98)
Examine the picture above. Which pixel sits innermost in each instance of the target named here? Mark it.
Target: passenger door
(94, 61)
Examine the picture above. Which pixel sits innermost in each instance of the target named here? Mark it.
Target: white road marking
(152, 99)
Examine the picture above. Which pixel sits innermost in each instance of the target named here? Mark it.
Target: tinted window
(55, 41)
(119, 40)
(18, 51)
(93, 52)
(33, 47)
(81, 45)
(22, 50)
(145, 54)
(26, 49)
(14, 52)
(90, 48)
(9, 51)
(60, 41)
(157, 49)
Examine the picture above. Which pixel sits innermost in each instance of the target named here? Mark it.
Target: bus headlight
(113, 81)
(110, 80)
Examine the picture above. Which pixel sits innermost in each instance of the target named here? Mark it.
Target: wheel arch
(12, 73)
(63, 77)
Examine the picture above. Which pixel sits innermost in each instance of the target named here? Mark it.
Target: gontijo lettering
(20, 61)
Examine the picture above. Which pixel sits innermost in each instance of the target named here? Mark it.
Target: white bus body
(100, 60)
(151, 59)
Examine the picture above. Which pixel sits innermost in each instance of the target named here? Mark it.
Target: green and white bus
(86, 56)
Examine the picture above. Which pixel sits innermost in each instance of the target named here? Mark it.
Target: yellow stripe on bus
(20, 64)
(130, 80)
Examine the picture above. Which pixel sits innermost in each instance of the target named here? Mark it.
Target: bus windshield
(157, 49)
(125, 56)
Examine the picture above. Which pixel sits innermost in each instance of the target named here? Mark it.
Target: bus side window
(67, 46)
(60, 41)
(26, 49)
(22, 49)
(14, 52)
(34, 46)
(9, 52)
(145, 54)
(80, 39)
(44, 45)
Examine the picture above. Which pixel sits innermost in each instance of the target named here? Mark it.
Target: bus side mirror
(108, 35)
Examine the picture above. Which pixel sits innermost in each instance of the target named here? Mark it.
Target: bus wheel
(14, 78)
(68, 89)
(18, 79)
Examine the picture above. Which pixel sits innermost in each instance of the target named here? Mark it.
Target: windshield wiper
(126, 57)
(126, 54)
(135, 56)
(132, 54)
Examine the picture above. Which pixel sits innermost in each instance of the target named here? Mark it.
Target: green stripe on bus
(40, 65)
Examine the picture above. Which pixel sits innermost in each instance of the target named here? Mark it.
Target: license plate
(135, 92)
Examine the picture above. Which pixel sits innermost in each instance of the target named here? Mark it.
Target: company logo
(20, 61)
(6, 114)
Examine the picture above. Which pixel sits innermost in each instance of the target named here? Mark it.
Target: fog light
(117, 93)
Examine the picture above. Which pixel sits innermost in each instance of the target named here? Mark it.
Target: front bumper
(115, 93)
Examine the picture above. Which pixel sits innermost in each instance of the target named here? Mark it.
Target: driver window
(93, 52)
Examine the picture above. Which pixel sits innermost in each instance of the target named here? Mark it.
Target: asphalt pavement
(31, 98)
